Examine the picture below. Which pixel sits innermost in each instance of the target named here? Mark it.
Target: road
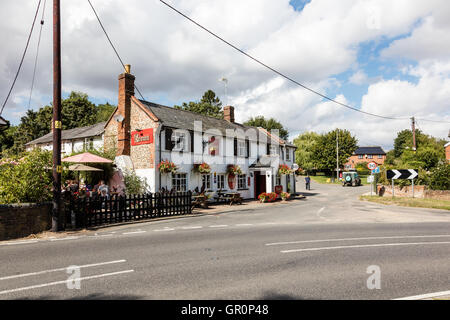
(318, 248)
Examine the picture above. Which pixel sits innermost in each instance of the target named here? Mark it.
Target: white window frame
(360, 156)
(242, 181)
(370, 156)
(380, 156)
(181, 177)
(278, 180)
(182, 145)
(241, 148)
(206, 178)
(220, 181)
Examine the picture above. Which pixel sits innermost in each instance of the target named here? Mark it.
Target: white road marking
(219, 226)
(134, 232)
(67, 238)
(65, 281)
(60, 269)
(168, 229)
(364, 246)
(244, 224)
(193, 227)
(426, 296)
(18, 242)
(352, 239)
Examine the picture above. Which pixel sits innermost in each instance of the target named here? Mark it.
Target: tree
(104, 111)
(304, 152)
(77, 111)
(324, 150)
(269, 125)
(210, 105)
(440, 177)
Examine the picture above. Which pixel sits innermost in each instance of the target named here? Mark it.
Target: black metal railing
(96, 211)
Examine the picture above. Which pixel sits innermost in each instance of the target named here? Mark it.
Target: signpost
(372, 166)
(402, 174)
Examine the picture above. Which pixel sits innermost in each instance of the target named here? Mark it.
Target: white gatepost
(269, 181)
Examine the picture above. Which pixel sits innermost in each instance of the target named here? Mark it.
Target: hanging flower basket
(202, 168)
(166, 166)
(284, 169)
(234, 170)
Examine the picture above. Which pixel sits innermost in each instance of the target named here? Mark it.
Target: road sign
(402, 174)
(372, 165)
(376, 170)
(370, 179)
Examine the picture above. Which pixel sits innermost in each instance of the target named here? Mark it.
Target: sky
(390, 58)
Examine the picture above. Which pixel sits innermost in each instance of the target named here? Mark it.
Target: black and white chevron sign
(402, 174)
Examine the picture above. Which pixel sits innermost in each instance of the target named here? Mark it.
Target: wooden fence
(96, 211)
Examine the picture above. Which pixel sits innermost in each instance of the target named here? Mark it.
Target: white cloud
(174, 59)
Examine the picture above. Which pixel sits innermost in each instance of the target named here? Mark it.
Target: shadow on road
(92, 296)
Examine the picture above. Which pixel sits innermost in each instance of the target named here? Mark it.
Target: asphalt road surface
(329, 246)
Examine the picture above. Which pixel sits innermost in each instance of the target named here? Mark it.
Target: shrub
(285, 195)
(440, 177)
(267, 197)
(134, 184)
(28, 179)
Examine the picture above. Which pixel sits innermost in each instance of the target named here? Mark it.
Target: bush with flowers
(234, 169)
(284, 169)
(267, 197)
(27, 179)
(167, 166)
(203, 168)
(285, 196)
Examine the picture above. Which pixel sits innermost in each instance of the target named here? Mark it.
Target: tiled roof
(72, 134)
(182, 119)
(369, 150)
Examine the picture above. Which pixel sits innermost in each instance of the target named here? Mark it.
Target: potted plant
(234, 169)
(202, 168)
(263, 197)
(166, 166)
(284, 169)
(285, 196)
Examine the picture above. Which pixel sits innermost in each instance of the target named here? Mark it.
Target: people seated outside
(103, 189)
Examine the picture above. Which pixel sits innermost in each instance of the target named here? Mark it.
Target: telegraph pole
(413, 128)
(337, 154)
(56, 121)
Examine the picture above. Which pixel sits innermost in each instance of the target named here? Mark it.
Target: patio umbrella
(82, 167)
(86, 157)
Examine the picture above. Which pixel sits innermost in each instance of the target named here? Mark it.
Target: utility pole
(337, 154)
(413, 128)
(56, 121)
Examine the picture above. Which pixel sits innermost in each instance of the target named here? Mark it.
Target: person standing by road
(308, 182)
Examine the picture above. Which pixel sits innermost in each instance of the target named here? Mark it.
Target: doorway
(260, 183)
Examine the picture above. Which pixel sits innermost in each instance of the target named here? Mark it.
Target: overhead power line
(282, 74)
(37, 54)
(112, 45)
(23, 57)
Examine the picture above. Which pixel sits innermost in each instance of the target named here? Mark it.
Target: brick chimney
(228, 113)
(126, 90)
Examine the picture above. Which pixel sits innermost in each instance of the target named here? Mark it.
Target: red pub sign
(142, 137)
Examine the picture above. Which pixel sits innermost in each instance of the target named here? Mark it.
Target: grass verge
(410, 202)
(324, 180)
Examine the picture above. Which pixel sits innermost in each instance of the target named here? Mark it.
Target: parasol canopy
(82, 167)
(86, 157)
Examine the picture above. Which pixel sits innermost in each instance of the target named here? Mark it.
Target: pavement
(329, 246)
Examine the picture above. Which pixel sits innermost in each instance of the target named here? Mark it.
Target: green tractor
(351, 179)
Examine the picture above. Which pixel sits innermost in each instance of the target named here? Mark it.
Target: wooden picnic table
(199, 200)
(233, 197)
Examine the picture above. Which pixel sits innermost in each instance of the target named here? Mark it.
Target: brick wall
(143, 156)
(419, 192)
(21, 220)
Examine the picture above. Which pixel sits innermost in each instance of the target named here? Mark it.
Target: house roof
(3, 122)
(183, 119)
(266, 161)
(72, 134)
(369, 150)
(447, 144)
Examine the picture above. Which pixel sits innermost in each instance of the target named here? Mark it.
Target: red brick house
(366, 154)
(447, 152)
